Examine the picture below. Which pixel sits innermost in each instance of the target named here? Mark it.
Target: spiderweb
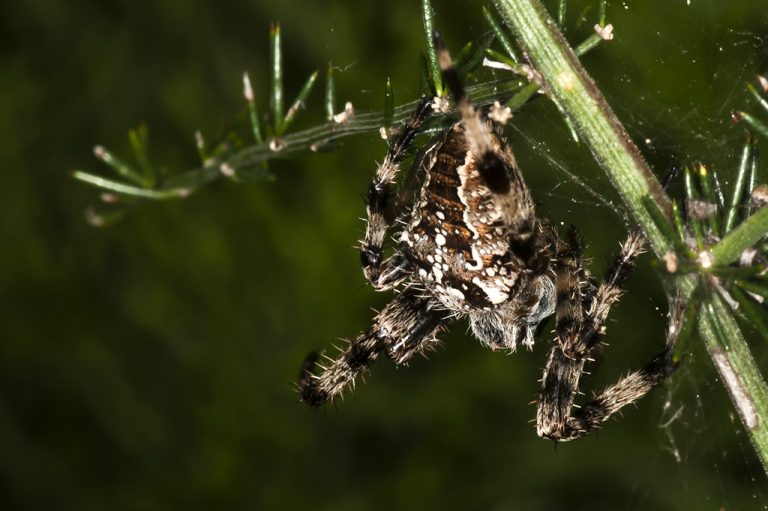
(679, 77)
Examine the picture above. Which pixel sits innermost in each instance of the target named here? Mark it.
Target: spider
(472, 247)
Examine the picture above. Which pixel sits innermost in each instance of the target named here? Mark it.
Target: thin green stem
(315, 139)
(738, 372)
(587, 45)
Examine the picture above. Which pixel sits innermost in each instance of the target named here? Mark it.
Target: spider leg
(405, 327)
(579, 329)
(372, 245)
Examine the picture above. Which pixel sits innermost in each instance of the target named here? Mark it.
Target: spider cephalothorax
(472, 246)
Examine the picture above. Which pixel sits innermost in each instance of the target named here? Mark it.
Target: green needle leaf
(741, 238)
(424, 79)
(253, 114)
(677, 216)
(756, 125)
(428, 15)
(119, 166)
(602, 17)
(504, 59)
(691, 195)
(738, 187)
(139, 138)
(276, 101)
(707, 187)
(118, 187)
(752, 312)
(330, 93)
(202, 148)
(754, 288)
(389, 105)
(561, 9)
(752, 181)
(761, 100)
(301, 97)
(506, 43)
(473, 54)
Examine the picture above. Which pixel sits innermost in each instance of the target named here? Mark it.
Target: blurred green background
(151, 365)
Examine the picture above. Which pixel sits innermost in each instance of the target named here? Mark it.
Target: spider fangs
(472, 246)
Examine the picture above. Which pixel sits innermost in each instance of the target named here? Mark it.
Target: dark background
(151, 365)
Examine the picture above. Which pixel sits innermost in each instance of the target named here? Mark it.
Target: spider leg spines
(408, 322)
(577, 336)
(372, 245)
(579, 330)
(614, 397)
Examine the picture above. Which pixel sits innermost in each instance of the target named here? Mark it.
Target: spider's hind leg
(405, 327)
(579, 330)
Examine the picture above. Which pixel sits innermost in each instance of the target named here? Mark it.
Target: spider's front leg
(405, 327)
(578, 332)
(386, 274)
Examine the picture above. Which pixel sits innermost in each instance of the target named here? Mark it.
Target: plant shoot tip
(247, 88)
(605, 32)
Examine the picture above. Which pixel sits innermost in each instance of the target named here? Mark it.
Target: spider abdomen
(458, 237)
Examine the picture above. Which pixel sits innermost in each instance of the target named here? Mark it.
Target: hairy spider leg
(405, 327)
(384, 275)
(579, 329)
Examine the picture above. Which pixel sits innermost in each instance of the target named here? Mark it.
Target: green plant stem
(574, 91)
(571, 87)
(741, 238)
(316, 139)
(734, 362)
